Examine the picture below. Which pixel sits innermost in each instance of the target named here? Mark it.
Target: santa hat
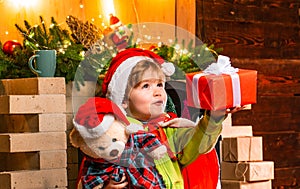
(116, 78)
(114, 21)
(96, 116)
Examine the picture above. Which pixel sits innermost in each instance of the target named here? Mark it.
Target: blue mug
(43, 63)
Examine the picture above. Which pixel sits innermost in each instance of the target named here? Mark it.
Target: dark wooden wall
(263, 35)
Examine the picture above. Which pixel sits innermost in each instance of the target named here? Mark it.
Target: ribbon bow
(222, 66)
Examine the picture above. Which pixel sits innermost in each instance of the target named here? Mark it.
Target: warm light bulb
(24, 3)
(108, 7)
(6, 33)
(81, 6)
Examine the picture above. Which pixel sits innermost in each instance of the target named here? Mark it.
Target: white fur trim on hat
(97, 131)
(118, 82)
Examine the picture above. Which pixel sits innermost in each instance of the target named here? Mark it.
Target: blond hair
(138, 72)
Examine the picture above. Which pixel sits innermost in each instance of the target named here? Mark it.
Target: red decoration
(119, 41)
(216, 92)
(9, 47)
(114, 22)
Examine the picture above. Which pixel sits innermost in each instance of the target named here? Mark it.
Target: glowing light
(6, 33)
(24, 3)
(82, 53)
(108, 7)
(81, 6)
(185, 51)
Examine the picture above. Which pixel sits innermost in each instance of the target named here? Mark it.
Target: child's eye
(160, 85)
(145, 86)
(114, 139)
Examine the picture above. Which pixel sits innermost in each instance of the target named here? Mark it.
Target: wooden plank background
(251, 28)
(264, 36)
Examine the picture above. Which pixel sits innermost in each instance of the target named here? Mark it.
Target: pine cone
(85, 33)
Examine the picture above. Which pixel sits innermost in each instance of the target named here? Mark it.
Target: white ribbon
(223, 66)
(195, 89)
(236, 89)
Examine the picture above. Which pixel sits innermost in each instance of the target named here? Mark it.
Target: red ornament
(9, 47)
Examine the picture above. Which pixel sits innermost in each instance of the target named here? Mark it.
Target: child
(135, 81)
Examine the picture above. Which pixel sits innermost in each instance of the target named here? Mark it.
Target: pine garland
(41, 37)
(98, 48)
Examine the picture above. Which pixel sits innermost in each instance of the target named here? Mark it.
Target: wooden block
(33, 86)
(27, 142)
(30, 104)
(52, 122)
(33, 160)
(230, 184)
(20, 123)
(247, 171)
(242, 149)
(19, 161)
(53, 159)
(236, 131)
(39, 179)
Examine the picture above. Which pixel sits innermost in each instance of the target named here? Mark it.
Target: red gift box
(216, 92)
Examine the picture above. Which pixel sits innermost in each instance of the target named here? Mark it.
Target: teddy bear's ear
(76, 139)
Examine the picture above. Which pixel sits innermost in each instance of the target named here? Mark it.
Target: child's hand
(178, 122)
(114, 185)
(234, 109)
(219, 114)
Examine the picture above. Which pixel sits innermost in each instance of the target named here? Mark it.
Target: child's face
(148, 99)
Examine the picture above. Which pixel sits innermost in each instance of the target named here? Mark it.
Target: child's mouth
(158, 103)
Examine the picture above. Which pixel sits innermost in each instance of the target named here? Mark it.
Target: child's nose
(157, 91)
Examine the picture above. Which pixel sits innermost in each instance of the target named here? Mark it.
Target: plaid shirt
(134, 162)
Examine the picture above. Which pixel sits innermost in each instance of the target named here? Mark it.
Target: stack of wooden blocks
(32, 133)
(75, 97)
(242, 165)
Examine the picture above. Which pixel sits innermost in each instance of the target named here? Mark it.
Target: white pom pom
(168, 68)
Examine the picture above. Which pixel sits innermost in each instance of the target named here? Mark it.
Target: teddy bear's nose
(114, 153)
